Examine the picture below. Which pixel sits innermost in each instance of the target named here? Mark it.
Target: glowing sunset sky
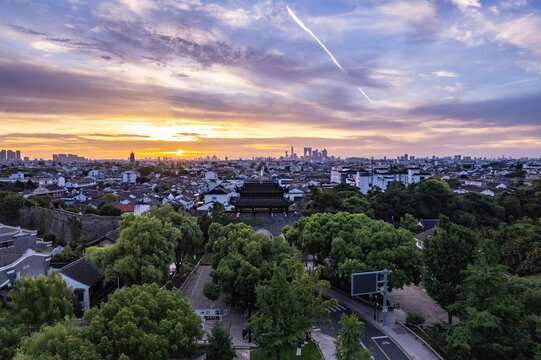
(244, 78)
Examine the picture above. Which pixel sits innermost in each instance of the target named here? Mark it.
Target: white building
(130, 176)
(366, 181)
(294, 194)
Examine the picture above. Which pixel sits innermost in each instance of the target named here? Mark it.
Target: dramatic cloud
(243, 78)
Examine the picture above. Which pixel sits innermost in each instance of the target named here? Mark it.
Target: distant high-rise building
(18, 154)
(132, 158)
(292, 153)
(324, 154)
(10, 155)
(286, 154)
(406, 157)
(307, 152)
(3, 155)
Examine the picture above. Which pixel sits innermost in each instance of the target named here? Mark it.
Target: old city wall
(66, 225)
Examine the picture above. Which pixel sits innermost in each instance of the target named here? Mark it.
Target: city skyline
(242, 79)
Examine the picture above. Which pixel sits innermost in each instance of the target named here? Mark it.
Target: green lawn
(309, 352)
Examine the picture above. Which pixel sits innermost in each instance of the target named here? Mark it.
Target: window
(6, 244)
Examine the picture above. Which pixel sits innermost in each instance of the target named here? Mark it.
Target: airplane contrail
(305, 28)
(366, 96)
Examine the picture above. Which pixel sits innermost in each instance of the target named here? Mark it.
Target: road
(382, 346)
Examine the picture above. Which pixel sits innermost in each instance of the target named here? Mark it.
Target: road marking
(332, 309)
(340, 307)
(375, 342)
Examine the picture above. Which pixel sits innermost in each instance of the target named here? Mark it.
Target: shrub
(415, 320)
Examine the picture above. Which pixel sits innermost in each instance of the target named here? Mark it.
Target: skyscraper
(132, 158)
(292, 153)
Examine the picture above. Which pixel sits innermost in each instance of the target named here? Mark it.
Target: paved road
(382, 346)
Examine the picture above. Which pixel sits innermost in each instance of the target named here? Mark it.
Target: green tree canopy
(40, 300)
(287, 307)
(446, 256)
(342, 197)
(144, 322)
(356, 243)
(142, 253)
(188, 239)
(494, 322)
(242, 259)
(220, 343)
(62, 341)
(348, 344)
(109, 198)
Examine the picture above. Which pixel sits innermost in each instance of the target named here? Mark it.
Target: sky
(252, 78)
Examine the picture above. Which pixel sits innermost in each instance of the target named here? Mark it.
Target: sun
(180, 152)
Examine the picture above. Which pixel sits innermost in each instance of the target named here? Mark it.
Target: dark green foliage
(10, 203)
(393, 204)
(446, 256)
(415, 319)
(40, 300)
(71, 252)
(342, 197)
(211, 290)
(109, 210)
(520, 247)
(185, 233)
(142, 253)
(356, 243)
(242, 259)
(42, 200)
(348, 344)
(144, 322)
(220, 343)
(61, 341)
(454, 183)
(9, 339)
(287, 307)
(493, 321)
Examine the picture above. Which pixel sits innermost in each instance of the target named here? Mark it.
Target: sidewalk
(410, 345)
(325, 344)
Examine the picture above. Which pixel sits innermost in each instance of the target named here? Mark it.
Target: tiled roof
(82, 271)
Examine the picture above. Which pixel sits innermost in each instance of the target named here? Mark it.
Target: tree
(109, 210)
(432, 197)
(356, 243)
(520, 247)
(348, 344)
(211, 290)
(409, 222)
(453, 183)
(9, 337)
(144, 322)
(287, 307)
(188, 239)
(10, 203)
(109, 198)
(342, 197)
(40, 300)
(142, 253)
(220, 344)
(491, 316)
(61, 341)
(242, 259)
(446, 256)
